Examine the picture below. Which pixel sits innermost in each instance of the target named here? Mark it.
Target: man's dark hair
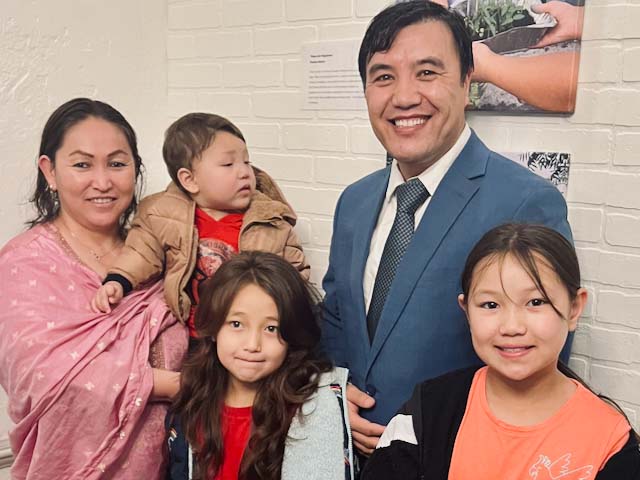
(385, 26)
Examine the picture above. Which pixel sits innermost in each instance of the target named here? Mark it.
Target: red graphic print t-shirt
(218, 240)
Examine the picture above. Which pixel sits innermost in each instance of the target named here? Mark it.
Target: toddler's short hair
(189, 136)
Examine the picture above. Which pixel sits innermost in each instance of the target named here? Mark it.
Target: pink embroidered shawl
(79, 383)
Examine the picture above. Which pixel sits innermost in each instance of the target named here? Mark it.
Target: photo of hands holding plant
(526, 53)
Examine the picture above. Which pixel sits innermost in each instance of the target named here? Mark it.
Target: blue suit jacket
(422, 332)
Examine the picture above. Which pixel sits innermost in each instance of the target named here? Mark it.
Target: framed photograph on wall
(526, 53)
(552, 166)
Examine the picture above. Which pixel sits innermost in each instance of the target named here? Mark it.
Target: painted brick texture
(242, 58)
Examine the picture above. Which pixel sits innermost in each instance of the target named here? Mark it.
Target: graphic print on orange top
(573, 444)
(217, 241)
(545, 469)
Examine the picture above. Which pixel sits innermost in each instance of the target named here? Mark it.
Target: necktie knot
(411, 195)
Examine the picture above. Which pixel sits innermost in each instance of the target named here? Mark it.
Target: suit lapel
(365, 219)
(453, 194)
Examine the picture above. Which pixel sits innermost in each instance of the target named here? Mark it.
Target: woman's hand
(166, 384)
(108, 294)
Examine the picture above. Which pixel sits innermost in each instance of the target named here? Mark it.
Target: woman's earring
(54, 194)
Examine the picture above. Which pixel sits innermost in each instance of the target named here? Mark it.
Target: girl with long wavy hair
(257, 400)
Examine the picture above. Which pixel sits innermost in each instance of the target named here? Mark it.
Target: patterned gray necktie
(410, 195)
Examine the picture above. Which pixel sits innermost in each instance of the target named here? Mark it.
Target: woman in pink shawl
(80, 384)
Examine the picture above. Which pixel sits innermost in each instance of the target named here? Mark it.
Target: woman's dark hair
(525, 242)
(204, 380)
(61, 120)
(386, 25)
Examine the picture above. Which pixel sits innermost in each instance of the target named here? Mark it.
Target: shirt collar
(433, 175)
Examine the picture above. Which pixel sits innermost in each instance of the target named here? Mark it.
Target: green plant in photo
(491, 17)
(474, 96)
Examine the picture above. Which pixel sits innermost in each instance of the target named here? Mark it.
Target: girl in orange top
(524, 415)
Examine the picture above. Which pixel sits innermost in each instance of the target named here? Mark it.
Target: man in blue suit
(391, 288)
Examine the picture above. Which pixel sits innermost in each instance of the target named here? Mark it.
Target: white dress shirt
(430, 178)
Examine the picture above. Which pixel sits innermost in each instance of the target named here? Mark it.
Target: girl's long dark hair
(525, 242)
(204, 380)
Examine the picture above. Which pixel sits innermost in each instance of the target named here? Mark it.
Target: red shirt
(236, 427)
(217, 241)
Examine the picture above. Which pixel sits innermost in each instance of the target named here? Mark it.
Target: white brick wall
(241, 58)
(245, 12)
(315, 154)
(52, 52)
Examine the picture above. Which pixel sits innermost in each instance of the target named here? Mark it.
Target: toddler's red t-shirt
(217, 241)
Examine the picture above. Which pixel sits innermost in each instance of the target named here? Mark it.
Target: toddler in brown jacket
(216, 205)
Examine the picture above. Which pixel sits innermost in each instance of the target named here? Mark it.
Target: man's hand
(108, 294)
(569, 18)
(365, 433)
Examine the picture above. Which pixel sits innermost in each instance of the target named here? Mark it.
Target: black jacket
(437, 407)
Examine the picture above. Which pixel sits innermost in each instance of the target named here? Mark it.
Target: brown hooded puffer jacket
(164, 238)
